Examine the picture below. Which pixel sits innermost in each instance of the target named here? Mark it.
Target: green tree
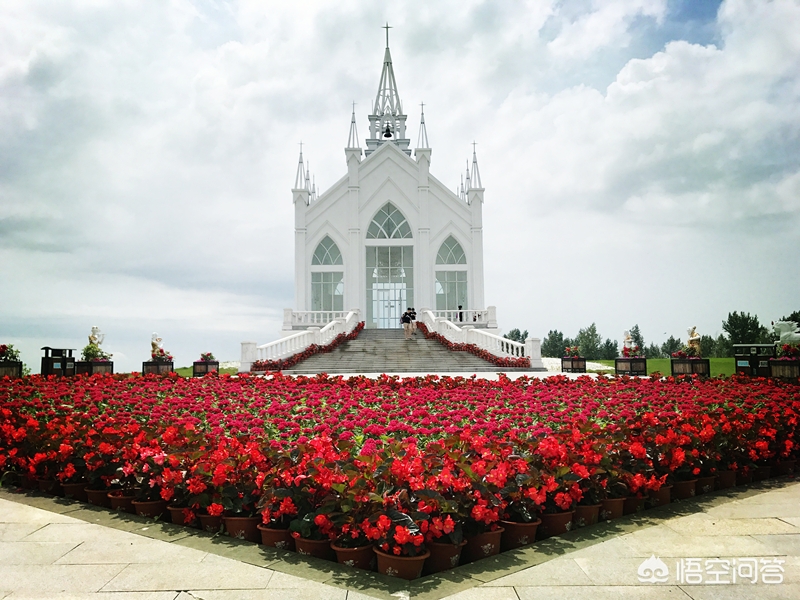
(589, 342)
(636, 336)
(517, 336)
(652, 351)
(610, 350)
(722, 347)
(670, 346)
(744, 329)
(708, 346)
(554, 344)
(795, 316)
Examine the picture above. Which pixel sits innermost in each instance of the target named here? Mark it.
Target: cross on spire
(387, 27)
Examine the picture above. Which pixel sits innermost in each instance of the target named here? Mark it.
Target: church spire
(422, 140)
(300, 178)
(387, 123)
(468, 184)
(352, 139)
(387, 100)
(476, 175)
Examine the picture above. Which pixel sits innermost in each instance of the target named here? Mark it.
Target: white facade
(388, 235)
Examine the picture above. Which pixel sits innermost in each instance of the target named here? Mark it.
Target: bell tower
(387, 123)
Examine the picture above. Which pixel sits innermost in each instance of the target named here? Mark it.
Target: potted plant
(10, 363)
(400, 543)
(161, 361)
(631, 362)
(572, 361)
(787, 365)
(207, 364)
(93, 358)
(689, 362)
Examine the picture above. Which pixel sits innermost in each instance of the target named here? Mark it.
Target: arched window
(451, 253)
(327, 253)
(389, 223)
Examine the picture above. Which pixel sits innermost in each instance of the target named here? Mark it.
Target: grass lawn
(719, 366)
(187, 371)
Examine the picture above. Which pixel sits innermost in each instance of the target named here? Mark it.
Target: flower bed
(508, 362)
(396, 463)
(291, 361)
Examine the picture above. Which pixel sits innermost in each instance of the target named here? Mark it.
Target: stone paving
(55, 548)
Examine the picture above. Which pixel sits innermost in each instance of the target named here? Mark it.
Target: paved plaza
(56, 548)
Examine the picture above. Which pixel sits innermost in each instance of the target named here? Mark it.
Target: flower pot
(516, 535)
(50, 486)
(586, 515)
(358, 558)
(98, 497)
(785, 467)
(210, 523)
(573, 364)
(405, 567)
(662, 496)
(683, 490)
(632, 504)
(243, 528)
(482, 545)
(443, 556)
(784, 369)
(554, 524)
(92, 367)
(316, 548)
(204, 367)
(29, 483)
(612, 508)
(152, 509)
(743, 478)
(11, 368)
(762, 473)
(178, 517)
(705, 485)
(75, 490)
(122, 500)
(276, 538)
(156, 367)
(725, 479)
(691, 366)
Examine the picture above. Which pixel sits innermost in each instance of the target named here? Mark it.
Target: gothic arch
(327, 253)
(389, 223)
(451, 253)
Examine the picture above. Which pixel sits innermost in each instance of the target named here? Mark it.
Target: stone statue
(156, 344)
(96, 337)
(694, 339)
(627, 340)
(788, 331)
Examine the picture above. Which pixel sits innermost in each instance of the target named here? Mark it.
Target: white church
(388, 235)
(385, 237)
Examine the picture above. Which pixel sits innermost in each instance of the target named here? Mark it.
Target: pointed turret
(422, 139)
(387, 123)
(467, 184)
(352, 139)
(300, 178)
(476, 175)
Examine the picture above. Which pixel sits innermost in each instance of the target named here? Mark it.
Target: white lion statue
(788, 331)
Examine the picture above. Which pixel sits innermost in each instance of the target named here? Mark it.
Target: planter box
(784, 369)
(691, 366)
(90, 367)
(630, 366)
(203, 367)
(11, 368)
(157, 367)
(573, 365)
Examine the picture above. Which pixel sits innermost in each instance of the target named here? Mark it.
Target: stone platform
(55, 548)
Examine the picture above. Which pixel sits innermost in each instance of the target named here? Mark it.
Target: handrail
(295, 343)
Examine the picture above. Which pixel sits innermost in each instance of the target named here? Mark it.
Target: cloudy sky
(641, 158)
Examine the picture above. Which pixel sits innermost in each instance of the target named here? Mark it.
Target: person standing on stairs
(406, 321)
(413, 315)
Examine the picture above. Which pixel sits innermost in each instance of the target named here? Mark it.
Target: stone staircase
(385, 351)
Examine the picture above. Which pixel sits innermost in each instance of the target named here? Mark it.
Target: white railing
(485, 340)
(297, 342)
(305, 318)
(486, 317)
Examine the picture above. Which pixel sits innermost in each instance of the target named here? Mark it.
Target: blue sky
(640, 158)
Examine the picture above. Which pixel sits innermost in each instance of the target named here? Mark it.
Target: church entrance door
(390, 277)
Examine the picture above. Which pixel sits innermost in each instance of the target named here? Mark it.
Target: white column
(249, 356)
(533, 350)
